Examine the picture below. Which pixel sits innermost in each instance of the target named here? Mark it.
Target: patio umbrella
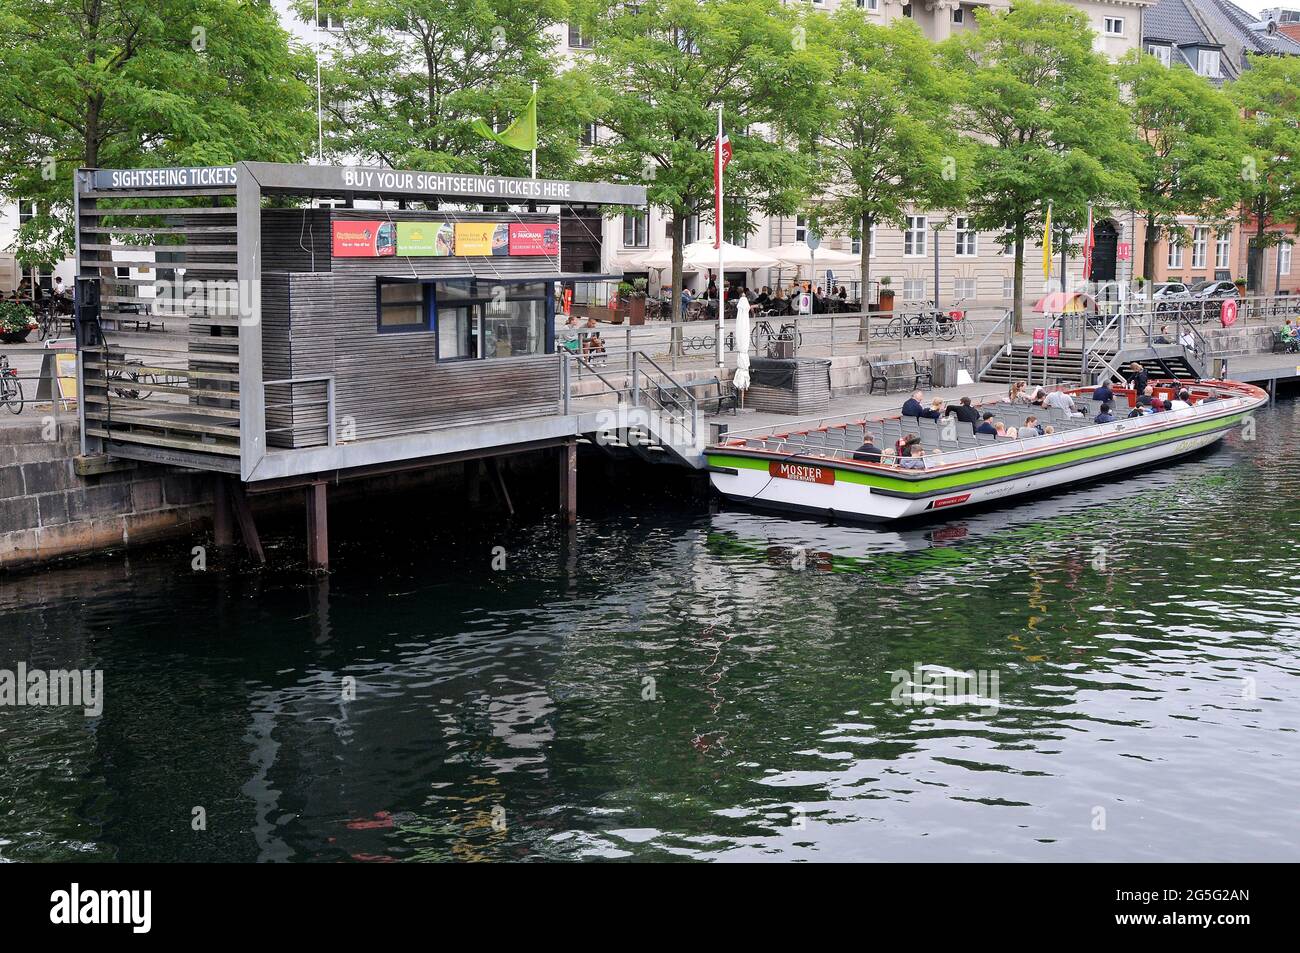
(704, 255)
(660, 259)
(801, 256)
(741, 380)
(1062, 302)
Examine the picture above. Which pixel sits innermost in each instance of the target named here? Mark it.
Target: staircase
(1018, 365)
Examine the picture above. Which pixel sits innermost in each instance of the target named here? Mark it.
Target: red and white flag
(1088, 243)
(721, 156)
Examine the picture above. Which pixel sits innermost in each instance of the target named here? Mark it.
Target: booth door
(1105, 248)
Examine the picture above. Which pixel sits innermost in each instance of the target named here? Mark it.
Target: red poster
(568, 301)
(1125, 251)
(1054, 342)
(1040, 335)
(534, 239)
(1228, 314)
(364, 239)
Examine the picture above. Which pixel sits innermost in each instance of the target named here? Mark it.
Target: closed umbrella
(741, 380)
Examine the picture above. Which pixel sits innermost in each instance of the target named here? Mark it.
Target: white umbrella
(741, 380)
(800, 255)
(659, 259)
(704, 255)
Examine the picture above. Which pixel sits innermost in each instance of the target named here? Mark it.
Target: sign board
(191, 177)
(813, 241)
(534, 239)
(364, 239)
(1228, 312)
(1039, 345)
(805, 302)
(426, 239)
(482, 238)
(1124, 251)
(801, 473)
(1053, 342)
(568, 301)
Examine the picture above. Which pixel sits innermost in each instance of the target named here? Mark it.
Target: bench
(724, 395)
(879, 372)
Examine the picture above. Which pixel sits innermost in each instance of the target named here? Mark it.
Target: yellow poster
(474, 238)
(66, 372)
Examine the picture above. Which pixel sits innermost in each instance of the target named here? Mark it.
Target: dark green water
(1147, 702)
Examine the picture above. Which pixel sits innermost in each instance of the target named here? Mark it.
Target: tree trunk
(679, 229)
(864, 260)
(1261, 229)
(1149, 250)
(1018, 283)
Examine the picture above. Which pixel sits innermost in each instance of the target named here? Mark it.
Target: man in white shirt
(1062, 401)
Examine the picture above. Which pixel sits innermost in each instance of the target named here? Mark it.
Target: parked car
(1214, 289)
(1169, 289)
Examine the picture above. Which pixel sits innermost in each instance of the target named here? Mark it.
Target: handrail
(328, 381)
(1005, 324)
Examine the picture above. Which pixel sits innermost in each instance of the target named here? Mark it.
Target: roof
(1172, 22)
(1186, 24)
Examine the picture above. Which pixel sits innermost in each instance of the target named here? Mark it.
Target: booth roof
(564, 276)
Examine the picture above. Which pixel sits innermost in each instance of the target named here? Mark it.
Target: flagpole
(534, 129)
(717, 231)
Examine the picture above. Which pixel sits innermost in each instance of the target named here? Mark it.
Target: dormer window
(1207, 63)
(1162, 53)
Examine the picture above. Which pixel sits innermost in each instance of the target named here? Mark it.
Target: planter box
(15, 337)
(636, 311)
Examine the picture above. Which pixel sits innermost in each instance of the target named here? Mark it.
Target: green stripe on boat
(937, 484)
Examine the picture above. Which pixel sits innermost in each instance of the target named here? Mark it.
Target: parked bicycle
(923, 324)
(130, 371)
(11, 388)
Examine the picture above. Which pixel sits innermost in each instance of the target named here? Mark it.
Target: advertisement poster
(364, 239)
(482, 238)
(1054, 342)
(534, 239)
(1040, 336)
(426, 239)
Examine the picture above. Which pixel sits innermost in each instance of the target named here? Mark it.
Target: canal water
(1110, 673)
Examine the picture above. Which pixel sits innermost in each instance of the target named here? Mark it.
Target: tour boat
(812, 469)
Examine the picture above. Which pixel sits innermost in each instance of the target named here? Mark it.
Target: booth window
(405, 306)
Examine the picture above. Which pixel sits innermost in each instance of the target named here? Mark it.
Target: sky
(1254, 6)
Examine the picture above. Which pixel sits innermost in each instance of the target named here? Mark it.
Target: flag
(721, 156)
(1047, 246)
(1088, 242)
(520, 134)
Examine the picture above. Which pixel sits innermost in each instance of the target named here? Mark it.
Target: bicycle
(11, 388)
(135, 377)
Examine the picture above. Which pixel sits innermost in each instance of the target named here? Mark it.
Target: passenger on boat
(1032, 424)
(1062, 401)
(936, 410)
(1136, 412)
(1165, 404)
(1048, 430)
(1105, 416)
(987, 426)
(1016, 394)
(912, 406)
(1148, 396)
(914, 460)
(907, 445)
(1103, 393)
(1038, 396)
(999, 428)
(1139, 378)
(1182, 402)
(868, 452)
(964, 411)
(1011, 433)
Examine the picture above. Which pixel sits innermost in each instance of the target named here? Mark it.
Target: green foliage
(409, 77)
(1189, 145)
(139, 83)
(1043, 110)
(884, 143)
(15, 318)
(1269, 95)
(660, 70)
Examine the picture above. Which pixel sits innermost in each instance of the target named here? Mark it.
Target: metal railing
(322, 423)
(637, 380)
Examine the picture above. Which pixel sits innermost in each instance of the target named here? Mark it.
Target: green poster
(436, 239)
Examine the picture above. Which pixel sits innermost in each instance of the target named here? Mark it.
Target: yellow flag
(1047, 246)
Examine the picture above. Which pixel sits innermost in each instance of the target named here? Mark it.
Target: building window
(26, 211)
(1207, 63)
(872, 5)
(1284, 258)
(800, 228)
(1161, 53)
(856, 244)
(963, 288)
(327, 21)
(692, 233)
(404, 306)
(590, 134)
(907, 10)
(958, 15)
(577, 38)
(1114, 26)
(967, 239)
(1008, 287)
(913, 289)
(684, 42)
(1222, 249)
(1175, 251)
(1200, 246)
(914, 236)
(636, 229)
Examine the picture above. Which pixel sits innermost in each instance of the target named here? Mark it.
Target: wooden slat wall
(387, 384)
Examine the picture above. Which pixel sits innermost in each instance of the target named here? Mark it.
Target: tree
(138, 83)
(885, 143)
(663, 67)
(1269, 94)
(1047, 126)
(407, 78)
(1189, 146)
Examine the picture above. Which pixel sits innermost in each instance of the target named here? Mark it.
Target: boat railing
(790, 442)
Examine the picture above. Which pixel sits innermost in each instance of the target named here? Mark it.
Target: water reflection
(682, 684)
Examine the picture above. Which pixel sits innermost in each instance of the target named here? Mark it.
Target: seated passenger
(868, 452)
(1105, 416)
(1048, 430)
(964, 411)
(987, 426)
(1032, 426)
(999, 428)
(1181, 402)
(1062, 401)
(936, 410)
(1104, 393)
(1011, 433)
(915, 460)
(908, 445)
(912, 406)
(1136, 412)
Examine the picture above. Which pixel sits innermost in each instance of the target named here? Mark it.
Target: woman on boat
(1016, 394)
